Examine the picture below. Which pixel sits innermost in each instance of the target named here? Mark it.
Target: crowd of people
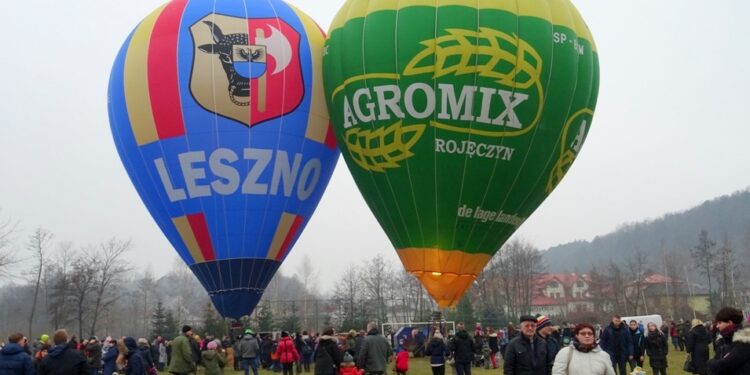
(538, 348)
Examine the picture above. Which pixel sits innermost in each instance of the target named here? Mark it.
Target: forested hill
(674, 233)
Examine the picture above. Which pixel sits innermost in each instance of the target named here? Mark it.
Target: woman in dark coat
(327, 357)
(438, 352)
(697, 345)
(657, 349)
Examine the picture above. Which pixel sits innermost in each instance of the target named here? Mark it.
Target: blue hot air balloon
(218, 114)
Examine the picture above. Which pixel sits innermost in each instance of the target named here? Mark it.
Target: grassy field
(421, 366)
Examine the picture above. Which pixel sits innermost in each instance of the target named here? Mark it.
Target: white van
(643, 320)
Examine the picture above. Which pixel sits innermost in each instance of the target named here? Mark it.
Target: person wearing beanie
(182, 361)
(248, 350)
(583, 356)
(698, 340)
(544, 329)
(213, 359)
(733, 352)
(527, 353)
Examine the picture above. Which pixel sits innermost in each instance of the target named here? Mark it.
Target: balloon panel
(457, 121)
(218, 113)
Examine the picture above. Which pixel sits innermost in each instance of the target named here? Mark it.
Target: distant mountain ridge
(728, 214)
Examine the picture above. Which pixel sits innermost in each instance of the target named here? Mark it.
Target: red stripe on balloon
(202, 236)
(290, 237)
(163, 83)
(330, 137)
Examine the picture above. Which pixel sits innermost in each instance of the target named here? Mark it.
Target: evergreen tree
(291, 322)
(213, 324)
(171, 326)
(159, 321)
(265, 317)
(464, 312)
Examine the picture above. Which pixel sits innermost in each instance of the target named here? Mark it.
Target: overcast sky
(670, 130)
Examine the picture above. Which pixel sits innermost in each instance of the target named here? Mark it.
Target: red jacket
(351, 370)
(286, 350)
(402, 361)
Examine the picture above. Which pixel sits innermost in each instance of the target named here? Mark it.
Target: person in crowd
(236, 351)
(182, 353)
(248, 350)
(162, 354)
(462, 350)
(657, 348)
(527, 353)
(63, 358)
(616, 341)
(287, 353)
(93, 353)
(544, 330)
(583, 356)
(733, 351)
(307, 351)
(401, 367)
(134, 362)
(358, 342)
(266, 349)
(213, 359)
(109, 356)
(697, 346)
(41, 351)
(327, 355)
(639, 345)
(144, 350)
(438, 352)
(567, 333)
(375, 352)
(154, 346)
(665, 328)
(674, 335)
(512, 332)
(683, 328)
(494, 345)
(351, 342)
(13, 359)
(348, 367)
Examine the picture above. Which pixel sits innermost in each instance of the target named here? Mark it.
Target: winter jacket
(249, 347)
(286, 350)
(327, 356)
(402, 361)
(350, 370)
(438, 351)
(94, 355)
(620, 350)
(657, 349)
(553, 346)
(697, 345)
(639, 343)
(462, 347)
(145, 352)
(108, 360)
(136, 364)
(525, 356)
(15, 361)
(358, 344)
(494, 347)
(213, 362)
(63, 360)
(182, 356)
(570, 361)
(736, 361)
(375, 352)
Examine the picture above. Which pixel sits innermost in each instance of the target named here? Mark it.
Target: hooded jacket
(249, 347)
(437, 350)
(136, 364)
(108, 360)
(15, 361)
(697, 345)
(286, 350)
(375, 352)
(639, 342)
(63, 360)
(213, 362)
(594, 362)
(736, 361)
(327, 356)
(94, 355)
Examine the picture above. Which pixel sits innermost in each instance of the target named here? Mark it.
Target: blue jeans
(248, 363)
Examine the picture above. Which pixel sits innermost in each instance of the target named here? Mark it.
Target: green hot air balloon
(457, 119)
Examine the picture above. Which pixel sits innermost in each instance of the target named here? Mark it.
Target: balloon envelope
(218, 113)
(457, 119)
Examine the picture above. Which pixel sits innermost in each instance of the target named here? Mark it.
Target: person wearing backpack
(306, 351)
(327, 355)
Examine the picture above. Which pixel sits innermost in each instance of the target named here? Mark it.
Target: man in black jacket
(527, 353)
(62, 359)
(462, 348)
(544, 330)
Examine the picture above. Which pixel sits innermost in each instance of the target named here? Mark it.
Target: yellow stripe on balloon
(558, 12)
(285, 224)
(318, 121)
(188, 237)
(136, 82)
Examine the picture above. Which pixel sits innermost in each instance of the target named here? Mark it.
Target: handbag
(688, 366)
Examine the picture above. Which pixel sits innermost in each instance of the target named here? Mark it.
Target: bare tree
(347, 293)
(38, 244)
(145, 287)
(308, 276)
(727, 269)
(109, 266)
(57, 286)
(81, 287)
(518, 263)
(7, 229)
(705, 257)
(636, 273)
(376, 276)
